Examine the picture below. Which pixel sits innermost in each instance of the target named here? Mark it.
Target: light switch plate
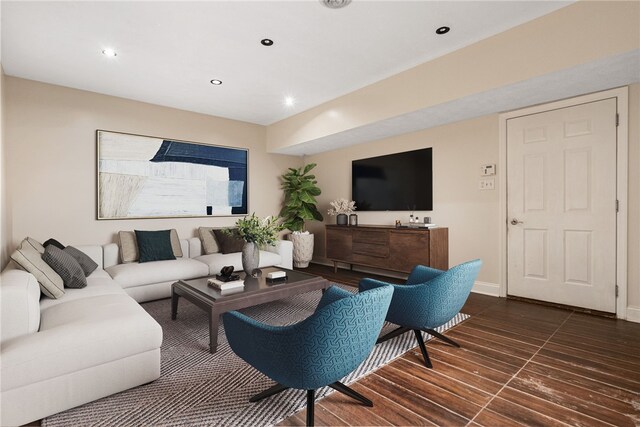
(487, 184)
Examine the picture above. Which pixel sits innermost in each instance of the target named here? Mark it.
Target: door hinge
(617, 205)
(617, 119)
(616, 291)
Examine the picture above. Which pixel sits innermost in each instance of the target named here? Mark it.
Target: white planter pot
(302, 249)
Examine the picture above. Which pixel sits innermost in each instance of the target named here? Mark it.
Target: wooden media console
(387, 247)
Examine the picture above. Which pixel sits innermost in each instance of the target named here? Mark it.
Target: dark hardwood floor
(520, 364)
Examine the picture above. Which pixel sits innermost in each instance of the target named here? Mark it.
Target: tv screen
(395, 182)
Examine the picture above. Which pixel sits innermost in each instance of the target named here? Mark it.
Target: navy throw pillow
(154, 245)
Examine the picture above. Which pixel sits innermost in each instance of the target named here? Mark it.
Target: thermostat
(486, 170)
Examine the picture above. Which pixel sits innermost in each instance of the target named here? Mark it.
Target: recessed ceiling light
(216, 82)
(289, 101)
(335, 4)
(109, 52)
(442, 30)
(266, 42)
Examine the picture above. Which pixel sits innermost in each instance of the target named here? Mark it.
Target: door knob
(515, 221)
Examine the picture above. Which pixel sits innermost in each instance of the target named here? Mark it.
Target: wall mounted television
(395, 182)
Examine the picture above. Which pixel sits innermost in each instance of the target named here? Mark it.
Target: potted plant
(256, 232)
(340, 208)
(300, 205)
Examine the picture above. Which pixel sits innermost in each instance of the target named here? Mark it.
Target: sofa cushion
(98, 283)
(219, 260)
(130, 275)
(154, 245)
(29, 257)
(66, 266)
(229, 241)
(209, 242)
(19, 304)
(128, 246)
(88, 265)
(77, 335)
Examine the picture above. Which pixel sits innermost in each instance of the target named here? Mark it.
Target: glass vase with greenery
(256, 232)
(262, 232)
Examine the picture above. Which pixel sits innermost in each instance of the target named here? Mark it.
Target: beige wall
(5, 217)
(577, 34)
(51, 152)
(471, 215)
(458, 152)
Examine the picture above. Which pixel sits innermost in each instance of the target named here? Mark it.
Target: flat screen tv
(395, 182)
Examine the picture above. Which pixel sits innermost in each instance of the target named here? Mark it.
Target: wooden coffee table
(256, 291)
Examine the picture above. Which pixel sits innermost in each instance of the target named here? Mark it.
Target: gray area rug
(197, 388)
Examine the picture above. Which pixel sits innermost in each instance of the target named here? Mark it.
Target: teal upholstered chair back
(430, 297)
(319, 350)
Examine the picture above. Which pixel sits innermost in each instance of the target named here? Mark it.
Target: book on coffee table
(224, 287)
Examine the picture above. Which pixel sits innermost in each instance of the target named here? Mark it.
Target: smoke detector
(335, 4)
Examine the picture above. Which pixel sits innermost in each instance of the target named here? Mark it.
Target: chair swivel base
(311, 397)
(418, 334)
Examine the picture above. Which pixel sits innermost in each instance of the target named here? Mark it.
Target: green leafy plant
(256, 230)
(300, 191)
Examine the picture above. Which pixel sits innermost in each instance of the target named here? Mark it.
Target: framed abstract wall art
(148, 177)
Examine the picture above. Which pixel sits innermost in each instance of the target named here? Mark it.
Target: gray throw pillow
(29, 257)
(66, 266)
(88, 265)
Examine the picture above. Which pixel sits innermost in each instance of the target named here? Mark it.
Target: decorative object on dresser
(136, 171)
(341, 208)
(300, 205)
(387, 247)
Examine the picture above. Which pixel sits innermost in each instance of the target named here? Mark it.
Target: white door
(561, 205)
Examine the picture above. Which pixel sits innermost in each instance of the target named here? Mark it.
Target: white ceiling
(169, 51)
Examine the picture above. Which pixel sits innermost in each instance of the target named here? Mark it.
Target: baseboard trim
(633, 314)
(486, 288)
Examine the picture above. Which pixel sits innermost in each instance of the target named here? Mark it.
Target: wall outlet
(487, 184)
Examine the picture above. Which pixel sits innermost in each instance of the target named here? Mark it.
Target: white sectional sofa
(56, 354)
(152, 280)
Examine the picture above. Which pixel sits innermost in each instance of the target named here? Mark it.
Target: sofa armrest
(284, 248)
(19, 304)
(111, 255)
(195, 247)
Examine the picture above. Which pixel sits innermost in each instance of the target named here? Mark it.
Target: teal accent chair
(317, 351)
(429, 299)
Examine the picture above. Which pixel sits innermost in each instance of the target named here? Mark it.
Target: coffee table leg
(174, 305)
(214, 320)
